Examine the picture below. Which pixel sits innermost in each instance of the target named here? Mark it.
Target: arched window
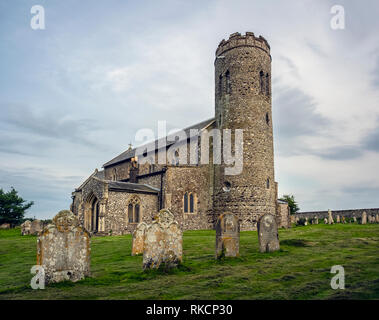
(130, 213)
(189, 202)
(261, 81)
(186, 202)
(267, 84)
(268, 183)
(220, 85)
(136, 213)
(114, 174)
(134, 210)
(228, 85)
(267, 118)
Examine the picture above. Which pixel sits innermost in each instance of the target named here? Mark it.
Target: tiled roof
(130, 153)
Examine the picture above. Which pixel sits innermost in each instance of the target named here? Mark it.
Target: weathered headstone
(25, 228)
(36, 227)
(364, 217)
(63, 249)
(5, 226)
(377, 218)
(138, 238)
(330, 217)
(325, 220)
(268, 236)
(355, 219)
(315, 220)
(227, 236)
(163, 242)
(343, 220)
(338, 219)
(306, 221)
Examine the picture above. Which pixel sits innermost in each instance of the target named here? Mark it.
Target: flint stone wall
(346, 213)
(63, 249)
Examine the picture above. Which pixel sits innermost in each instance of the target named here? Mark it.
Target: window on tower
(220, 85)
(267, 84)
(261, 81)
(267, 118)
(228, 85)
(268, 183)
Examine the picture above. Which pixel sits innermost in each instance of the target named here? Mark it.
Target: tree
(290, 199)
(12, 207)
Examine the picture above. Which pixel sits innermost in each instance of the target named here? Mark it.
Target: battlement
(238, 40)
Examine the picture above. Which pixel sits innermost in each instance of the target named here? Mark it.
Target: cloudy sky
(72, 96)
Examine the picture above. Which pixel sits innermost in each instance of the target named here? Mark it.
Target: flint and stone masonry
(64, 249)
(114, 200)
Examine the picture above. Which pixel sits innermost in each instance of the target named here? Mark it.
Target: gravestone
(306, 221)
(315, 220)
(355, 219)
(377, 218)
(330, 217)
(163, 242)
(63, 249)
(338, 219)
(36, 227)
(325, 220)
(364, 217)
(227, 236)
(5, 226)
(343, 220)
(268, 236)
(25, 228)
(138, 238)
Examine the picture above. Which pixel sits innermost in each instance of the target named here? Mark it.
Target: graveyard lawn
(300, 270)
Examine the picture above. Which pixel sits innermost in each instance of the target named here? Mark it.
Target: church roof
(131, 187)
(130, 153)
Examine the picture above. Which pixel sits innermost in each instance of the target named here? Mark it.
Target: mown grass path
(300, 270)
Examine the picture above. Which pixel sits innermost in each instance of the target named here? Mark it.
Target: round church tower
(243, 101)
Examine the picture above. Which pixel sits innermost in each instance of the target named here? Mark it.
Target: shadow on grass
(295, 243)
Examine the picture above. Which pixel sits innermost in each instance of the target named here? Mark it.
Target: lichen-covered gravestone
(25, 228)
(315, 220)
(325, 220)
(338, 219)
(163, 242)
(355, 219)
(268, 236)
(227, 236)
(36, 227)
(63, 249)
(343, 220)
(330, 217)
(364, 217)
(138, 238)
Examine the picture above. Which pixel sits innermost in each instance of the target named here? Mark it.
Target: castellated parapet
(238, 40)
(243, 101)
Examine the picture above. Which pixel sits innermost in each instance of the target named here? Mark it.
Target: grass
(300, 270)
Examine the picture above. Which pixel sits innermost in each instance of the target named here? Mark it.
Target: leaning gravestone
(268, 236)
(330, 217)
(163, 242)
(364, 217)
(63, 249)
(338, 219)
(138, 237)
(25, 228)
(36, 227)
(227, 236)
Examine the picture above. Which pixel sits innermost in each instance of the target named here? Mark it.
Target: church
(126, 192)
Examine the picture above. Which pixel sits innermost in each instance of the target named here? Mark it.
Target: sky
(72, 96)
